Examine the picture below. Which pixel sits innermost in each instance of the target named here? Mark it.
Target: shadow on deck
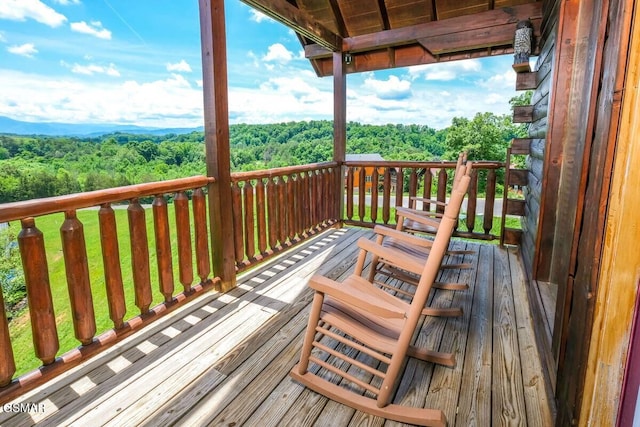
(223, 360)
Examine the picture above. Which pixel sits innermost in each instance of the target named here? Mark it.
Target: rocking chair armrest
(425, 214)
(394, 256)
(357, 292)
(412, 215)
(427, 200)
(403, 236)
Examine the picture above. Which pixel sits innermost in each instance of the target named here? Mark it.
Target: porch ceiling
(382, 34)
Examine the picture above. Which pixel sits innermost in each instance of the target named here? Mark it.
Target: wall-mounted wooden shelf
(522, 67)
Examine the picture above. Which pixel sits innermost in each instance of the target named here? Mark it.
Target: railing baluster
(261, 216)
(183, 231)
(350, 193)
(324, 195)
(163, 247)
(203, 261)
(386, 195)
(272, 210)
(7, 361)
(282, 210)
(111, 263)
(139, 255)
(36, 277)
(442, 189)
(314, 198)
(362, 192)
(77, 269)
(374, 194)
(249, 234)
(413, 184)
(291, 205)
(236, 194)
(472, 200)
(490, 197)
(426, 190)
(305, 206)
(399, 189)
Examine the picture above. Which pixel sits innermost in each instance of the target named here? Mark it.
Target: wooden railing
(77, 265)
(277, 208)
(272, 211)
(375, 188)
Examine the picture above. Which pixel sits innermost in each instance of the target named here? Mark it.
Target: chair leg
(310, 334)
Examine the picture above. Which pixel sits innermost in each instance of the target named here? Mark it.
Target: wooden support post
(339, 128)
(216, 128)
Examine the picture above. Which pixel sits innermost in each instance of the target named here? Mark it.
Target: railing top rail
(37, 207)
(483, 164)
(287, 170)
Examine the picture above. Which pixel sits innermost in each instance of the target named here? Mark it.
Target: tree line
(42, 166)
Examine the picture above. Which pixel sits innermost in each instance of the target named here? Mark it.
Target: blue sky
(138, 62)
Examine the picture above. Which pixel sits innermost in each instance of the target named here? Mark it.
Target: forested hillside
(42, 166)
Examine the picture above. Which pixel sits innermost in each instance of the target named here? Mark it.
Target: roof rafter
(298, 20)
(445, 28)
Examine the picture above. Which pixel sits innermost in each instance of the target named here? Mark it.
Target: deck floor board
(224, 359)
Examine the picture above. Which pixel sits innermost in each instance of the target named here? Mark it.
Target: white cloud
(257, 16)
(27, 49)
(392, 88)
(91, 69)
(181, 66)
(3, 39)
(506, 79)
(94, 29)
(171, 102)
(21, 10)
(278, 53)
(66, 2)
(446, 71)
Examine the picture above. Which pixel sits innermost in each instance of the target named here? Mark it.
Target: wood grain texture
(223, 358)
(163, 247)
(7, 361)
(77, 270)
(111, 264)
(139, 255)
(36, 278)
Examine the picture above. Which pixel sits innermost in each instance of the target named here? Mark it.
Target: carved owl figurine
(522, 42)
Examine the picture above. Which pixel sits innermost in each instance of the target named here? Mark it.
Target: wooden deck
(223, 360)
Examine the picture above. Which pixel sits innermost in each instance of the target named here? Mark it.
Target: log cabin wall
(542, 78)
(540, 82)
(586, 40)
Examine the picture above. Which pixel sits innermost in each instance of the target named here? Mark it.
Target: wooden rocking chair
(366, 319)
(401, 255)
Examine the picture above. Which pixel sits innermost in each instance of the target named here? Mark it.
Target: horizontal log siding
(186, 193)
(277, 208)
(538, 132)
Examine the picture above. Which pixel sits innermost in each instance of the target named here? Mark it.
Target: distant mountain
(17, 127)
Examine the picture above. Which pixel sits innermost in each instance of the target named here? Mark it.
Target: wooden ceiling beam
(499, 35)
(403, 56)
(411, 34)
(299, 21)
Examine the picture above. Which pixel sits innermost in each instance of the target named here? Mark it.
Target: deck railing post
(339, 129)
(216, 128)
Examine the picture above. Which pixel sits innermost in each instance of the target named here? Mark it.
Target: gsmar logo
(23, 407)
